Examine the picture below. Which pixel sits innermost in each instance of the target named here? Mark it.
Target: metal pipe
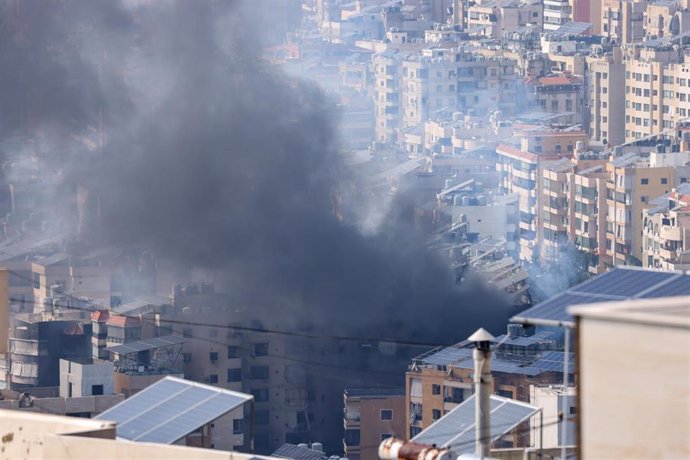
(564, 402)
(482, 384)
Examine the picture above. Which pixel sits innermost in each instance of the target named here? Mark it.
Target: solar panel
(297, 453)
(456, 429)
(170, 409)
(617, 284)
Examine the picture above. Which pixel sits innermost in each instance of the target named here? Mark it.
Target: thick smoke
(222, 163)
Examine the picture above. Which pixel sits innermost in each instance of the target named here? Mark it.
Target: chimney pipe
(482, 389)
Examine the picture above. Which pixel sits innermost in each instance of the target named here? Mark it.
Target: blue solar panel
(170, 409)
(618, 284)
(457, 428)
(624, 283)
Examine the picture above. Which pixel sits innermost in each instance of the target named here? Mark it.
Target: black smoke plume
(223, 163)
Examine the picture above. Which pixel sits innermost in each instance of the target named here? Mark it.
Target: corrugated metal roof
(148, 344)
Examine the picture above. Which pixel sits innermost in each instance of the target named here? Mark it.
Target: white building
(550, 399)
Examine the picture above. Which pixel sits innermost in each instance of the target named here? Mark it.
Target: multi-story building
(666, 18)
(37, 345)
(556, 94)
(439, 380)
(634, 181)
(623, 20)
(370, 416)
(550, 399)
(666, 228)
(520, 171)
(429, 84)
(554, 208)
(556, 13)
(387, 99)
(587, 206)
(607, 97)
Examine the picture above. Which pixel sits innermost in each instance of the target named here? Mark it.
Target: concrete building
(634, 180)
(48, 401)
(607, 97)
(387, 99)
(556, 94)
(623, 20)
(370, 416)
(440, 379)
(633, 367)
(666, 18)
(550, 399)
(86, 377)
(666, 231)
(556, 13)
(521, 171)
(37, 345)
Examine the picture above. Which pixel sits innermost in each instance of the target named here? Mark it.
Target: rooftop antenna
(482, 389)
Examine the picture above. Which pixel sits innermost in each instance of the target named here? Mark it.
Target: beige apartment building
(370, 416)
(520, 171)
(657, 91)
(634, 180)
(607, 97)
(666, 18)
(554, 209)
(587, 207)
(429, 83)
(666, 231)
(623, 20)
(386, 95)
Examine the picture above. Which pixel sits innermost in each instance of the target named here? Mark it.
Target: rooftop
(673, 312)
(621, 283)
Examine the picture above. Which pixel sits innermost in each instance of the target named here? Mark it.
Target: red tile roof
(123, 321)
(513, 152)
(100, 316)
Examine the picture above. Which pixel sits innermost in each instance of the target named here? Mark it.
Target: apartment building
(623, 20)
(556, 13)
(521, 171)
(556, 94)
(387, 101)
(633, 181)
(439, 380)
(587, 206)
(607, 97)
(370, 416)
(490, 19)
(554, 209)
(657, 90)
(429, 84)
(666, 18)
(666, 231)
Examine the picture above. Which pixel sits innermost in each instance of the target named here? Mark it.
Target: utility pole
(482, 390)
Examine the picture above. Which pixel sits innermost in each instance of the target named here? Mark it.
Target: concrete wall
(634, 383)
(83, 377)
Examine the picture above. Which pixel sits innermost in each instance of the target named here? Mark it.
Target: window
(235, 375)
(187, 357)
(435, 414)
(258, 372)
(352, 437)
(233, 352)
(187, 332)
(260, 395)
(435, 389)
(664, 180)
(213, 356)
(644, 181)
(96, 390)
(213, 378)
(237, 426)
(261, 349)
(385, 436)
(386, 414)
